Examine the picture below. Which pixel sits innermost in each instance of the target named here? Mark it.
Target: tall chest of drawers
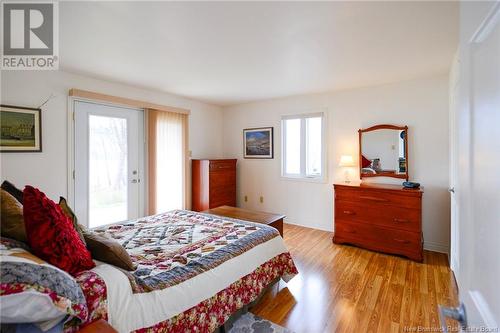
(213, 183)
(385, 218)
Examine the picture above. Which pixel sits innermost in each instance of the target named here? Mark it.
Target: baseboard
(311, 226)
(436, 247)
(477, 305)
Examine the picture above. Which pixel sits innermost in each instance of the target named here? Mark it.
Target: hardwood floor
(347, 289)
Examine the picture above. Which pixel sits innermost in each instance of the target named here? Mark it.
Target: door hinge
(73, 174)
(73, 115)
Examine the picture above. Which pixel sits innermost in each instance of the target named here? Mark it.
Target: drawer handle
(374, 199)
(404, 241)
(396, 220)
(221, 166)
(348, 212)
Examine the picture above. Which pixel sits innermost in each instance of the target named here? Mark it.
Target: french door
(108, 162)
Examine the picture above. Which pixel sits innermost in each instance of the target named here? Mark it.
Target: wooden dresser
(213, 183)
(385, 218)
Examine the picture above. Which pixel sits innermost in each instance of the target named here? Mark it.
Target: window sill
(321, 180)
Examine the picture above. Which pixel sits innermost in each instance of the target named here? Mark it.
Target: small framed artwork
(21, 129)
(258, 142)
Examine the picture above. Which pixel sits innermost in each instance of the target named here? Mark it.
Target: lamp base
(347, 180)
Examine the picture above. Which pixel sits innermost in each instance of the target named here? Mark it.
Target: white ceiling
(235, 52)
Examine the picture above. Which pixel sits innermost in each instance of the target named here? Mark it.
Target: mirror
(383, 151)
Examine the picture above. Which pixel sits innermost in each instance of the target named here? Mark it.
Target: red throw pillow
(51, 234)
(365, 163)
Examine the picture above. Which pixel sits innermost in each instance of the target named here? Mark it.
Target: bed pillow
(365, 163)
(376, 164)
(11, 214)
(108, 250)
(102, 248)
(51, 234)
(69, 213)
(12, 190)
(31, 290)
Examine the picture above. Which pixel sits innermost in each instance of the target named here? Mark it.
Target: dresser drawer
(222, 179)
(395, 217)
(222, 196)
(378, 198)
(378, 238)
(216, 191)
(222, 165)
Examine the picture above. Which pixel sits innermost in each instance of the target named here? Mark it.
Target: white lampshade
(346, 161)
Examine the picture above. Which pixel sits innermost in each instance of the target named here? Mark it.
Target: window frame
(302, 176)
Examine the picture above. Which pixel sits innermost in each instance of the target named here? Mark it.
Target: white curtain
(169, 171)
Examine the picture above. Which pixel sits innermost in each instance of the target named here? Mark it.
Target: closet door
(476, 247)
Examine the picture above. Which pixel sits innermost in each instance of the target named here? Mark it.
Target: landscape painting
(20, 129)
(258, 142)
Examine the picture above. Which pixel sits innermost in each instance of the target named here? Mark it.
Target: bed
(193, 271)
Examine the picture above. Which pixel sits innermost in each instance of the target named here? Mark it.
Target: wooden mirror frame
(379, 127)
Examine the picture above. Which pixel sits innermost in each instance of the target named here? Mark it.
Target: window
(167, 160)
(303, 146)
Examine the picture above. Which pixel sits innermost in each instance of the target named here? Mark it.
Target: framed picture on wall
(21, 129)
(258, 142)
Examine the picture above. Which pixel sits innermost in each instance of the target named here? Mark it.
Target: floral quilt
(175, 246)
(215, 311)
(82, 297)
(94, 290)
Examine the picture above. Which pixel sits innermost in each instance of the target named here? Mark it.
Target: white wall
(421, 104)
(48, 169)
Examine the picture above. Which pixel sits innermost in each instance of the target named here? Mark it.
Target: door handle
(451, 190)
(134, 181)
(457, 314)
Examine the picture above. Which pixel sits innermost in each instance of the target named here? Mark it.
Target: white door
(455, 231)
(478, 181)
(109, 155)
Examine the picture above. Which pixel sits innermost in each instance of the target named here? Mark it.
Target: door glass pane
(313, 146)
(107, 170)
(292, 144)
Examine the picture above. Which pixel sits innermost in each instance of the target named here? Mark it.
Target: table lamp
(346, 161)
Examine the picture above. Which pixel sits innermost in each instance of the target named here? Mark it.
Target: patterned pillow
(32, 290)
(51, 234)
